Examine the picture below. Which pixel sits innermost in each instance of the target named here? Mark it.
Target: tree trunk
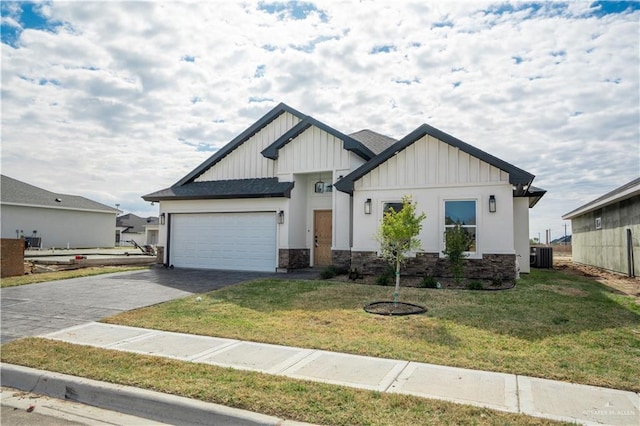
(397, 290)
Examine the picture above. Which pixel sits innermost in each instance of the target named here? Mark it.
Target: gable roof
(278, 110)
(223, 189)
(349, 143)
(15, 192)
(517, 176)
(135, 223)
(376, 142)
(623, 192)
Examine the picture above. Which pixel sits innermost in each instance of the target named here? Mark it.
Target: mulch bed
(394, 308)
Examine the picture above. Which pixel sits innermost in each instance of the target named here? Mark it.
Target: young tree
(457, 242)
(398, 235)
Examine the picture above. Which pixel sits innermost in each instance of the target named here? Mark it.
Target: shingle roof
(623, 192)
(349, 143)
(135, 223)
(16, 192)
(376, 142)
(517, 176)
(221, 189)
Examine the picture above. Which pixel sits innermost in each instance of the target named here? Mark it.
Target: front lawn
(64, 275)
(551, 325)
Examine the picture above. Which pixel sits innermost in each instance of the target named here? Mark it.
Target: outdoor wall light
(319, 186)
(367, 206)
(281, 217)
(162, 218)
(492, 203)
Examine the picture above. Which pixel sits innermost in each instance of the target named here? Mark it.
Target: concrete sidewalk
(505, 392)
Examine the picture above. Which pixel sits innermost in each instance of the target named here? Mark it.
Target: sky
(115, 100)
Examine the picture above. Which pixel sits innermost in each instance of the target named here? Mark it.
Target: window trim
(443, 226)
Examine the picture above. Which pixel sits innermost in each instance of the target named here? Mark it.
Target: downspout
(630, 265)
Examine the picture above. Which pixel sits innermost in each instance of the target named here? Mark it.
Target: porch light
(162, 218)
(492, 203)
(367, 206)
(281, 217)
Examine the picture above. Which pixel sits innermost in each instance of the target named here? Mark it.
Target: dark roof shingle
(221, 189)
(17, 192)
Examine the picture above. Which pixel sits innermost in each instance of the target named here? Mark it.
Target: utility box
(541, 257)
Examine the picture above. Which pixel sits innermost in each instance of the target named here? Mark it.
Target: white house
(606, 231)
(142, 230)
(292, 192)
(49, 219)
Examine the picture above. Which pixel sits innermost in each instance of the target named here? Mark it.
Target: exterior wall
(433, 172)
(607, 247)
(490, 267)
(314, 150)
(521, 233)
(60, 227)
(431, 162)
(226, 206)
(12, 257)
(294, 258)
(246, 161)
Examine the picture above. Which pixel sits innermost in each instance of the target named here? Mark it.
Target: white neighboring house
(49, 219)
(142, 230)
(291, 192)
(606, 231)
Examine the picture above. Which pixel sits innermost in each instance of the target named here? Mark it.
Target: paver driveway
(37, 309)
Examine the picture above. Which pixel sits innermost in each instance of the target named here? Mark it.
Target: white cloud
(125, 98)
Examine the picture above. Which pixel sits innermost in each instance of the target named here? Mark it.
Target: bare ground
(618, 282)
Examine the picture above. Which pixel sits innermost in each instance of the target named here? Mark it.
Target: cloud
(119, 99)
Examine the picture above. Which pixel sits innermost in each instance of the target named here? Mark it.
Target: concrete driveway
(37, 309)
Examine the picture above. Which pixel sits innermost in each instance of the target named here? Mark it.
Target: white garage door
(235, 241)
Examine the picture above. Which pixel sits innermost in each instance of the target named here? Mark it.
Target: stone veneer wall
(294, 258)
(431, 264)
(341, 258)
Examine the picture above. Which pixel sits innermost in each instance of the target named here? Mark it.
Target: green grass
(552, 325)
(63, 275)
(279, 396)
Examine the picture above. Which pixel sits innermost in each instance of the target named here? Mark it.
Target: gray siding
(607, 247)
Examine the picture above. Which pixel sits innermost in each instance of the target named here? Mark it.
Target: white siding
(246, 161)
(313, 150)
(60, 227)
(431, 162)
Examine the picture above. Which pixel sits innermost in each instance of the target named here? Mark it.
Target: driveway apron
(37, 309)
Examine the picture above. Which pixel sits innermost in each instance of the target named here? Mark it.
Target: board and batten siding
(247, 161)
(431, 162)
(313, 150)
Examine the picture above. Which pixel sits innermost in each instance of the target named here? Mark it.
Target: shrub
(475, 285)
(386, 277)
(457, 243)
(328, 272)
(428, 282)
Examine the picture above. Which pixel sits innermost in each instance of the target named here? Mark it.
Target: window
(395, 206)
(598, 223)
(461, 213)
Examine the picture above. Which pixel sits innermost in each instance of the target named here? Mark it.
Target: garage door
(235, 241)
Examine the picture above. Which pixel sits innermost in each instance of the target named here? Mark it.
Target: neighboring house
(606, 231)
(49, 219)
(291, 192)
(130, 227)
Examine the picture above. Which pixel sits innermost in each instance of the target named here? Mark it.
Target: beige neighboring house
(54, 220)
(292, 192)
(142, 230)
(606, 231)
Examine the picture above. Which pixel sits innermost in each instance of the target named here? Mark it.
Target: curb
(137, 402)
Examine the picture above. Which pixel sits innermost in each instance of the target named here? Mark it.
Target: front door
(322, 237)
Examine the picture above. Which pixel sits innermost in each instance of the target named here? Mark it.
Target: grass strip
(64, 275)
(273, 395)
(551, 325)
